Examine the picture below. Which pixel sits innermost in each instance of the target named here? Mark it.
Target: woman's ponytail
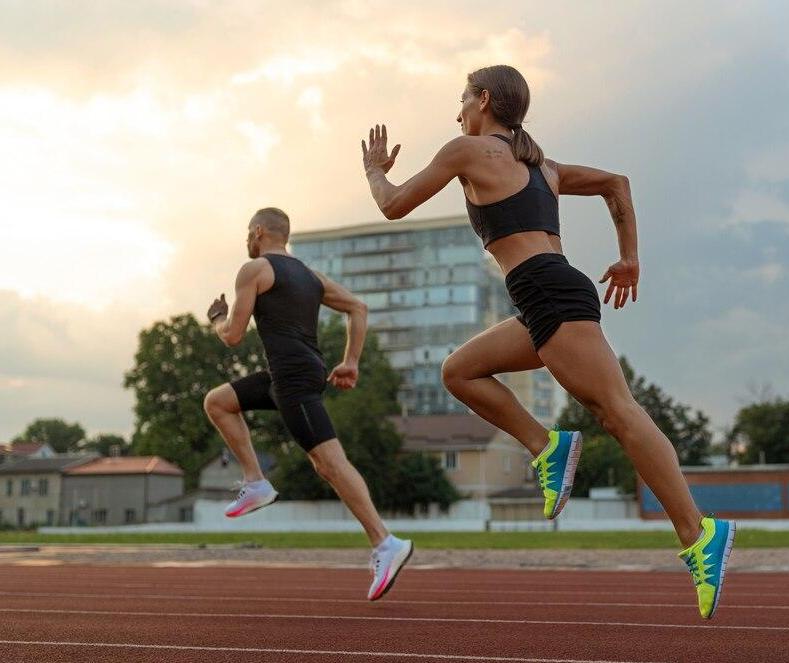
(525, 148)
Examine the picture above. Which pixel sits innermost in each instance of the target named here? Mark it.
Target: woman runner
(512, 195)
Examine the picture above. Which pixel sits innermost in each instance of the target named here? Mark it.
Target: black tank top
(534, 207)
(286, 316)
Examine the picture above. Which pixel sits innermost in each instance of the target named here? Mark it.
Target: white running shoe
(386, 562)
(251, 497)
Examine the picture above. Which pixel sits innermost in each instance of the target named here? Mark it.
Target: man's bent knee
(220, 400)
(328, 460)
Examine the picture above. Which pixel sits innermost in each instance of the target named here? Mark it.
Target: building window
(25, 487)
(100, 516)
(20, 517)
(450, 460)
(185, 514)
(50, 518)
(508, 464)
(9, 487)
(131, 516)
(43, 486)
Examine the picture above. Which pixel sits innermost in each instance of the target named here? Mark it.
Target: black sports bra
(534, 207)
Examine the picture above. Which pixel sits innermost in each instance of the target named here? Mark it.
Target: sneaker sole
(724, 562)
(399, 568)
(254, 508)
(569, 473)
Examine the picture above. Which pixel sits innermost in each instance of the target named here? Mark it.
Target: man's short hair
(274, 220)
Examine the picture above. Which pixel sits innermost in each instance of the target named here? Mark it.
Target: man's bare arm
(231, 330)
(340, 299)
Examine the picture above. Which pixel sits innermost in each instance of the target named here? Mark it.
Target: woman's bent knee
(451, 374)
(618, 417)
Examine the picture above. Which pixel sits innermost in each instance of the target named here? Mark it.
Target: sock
(260, 485)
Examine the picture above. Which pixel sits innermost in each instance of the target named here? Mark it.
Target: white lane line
(315, 652)
(306, 599)
(372, 618)
(550, 592)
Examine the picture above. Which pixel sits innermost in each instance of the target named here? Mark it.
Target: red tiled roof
(448, 431)
(128, 465)
(25, 448)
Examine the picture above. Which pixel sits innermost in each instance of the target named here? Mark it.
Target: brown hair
(272, 219)
(509, 102)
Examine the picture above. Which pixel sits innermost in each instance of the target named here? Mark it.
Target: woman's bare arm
(395, 201)
(615, 190)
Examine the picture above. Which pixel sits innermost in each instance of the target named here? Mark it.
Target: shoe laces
(242, 489)
(542, 473)
(375, 563)
(696, 573)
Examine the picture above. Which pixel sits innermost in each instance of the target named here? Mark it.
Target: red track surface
(431, 616)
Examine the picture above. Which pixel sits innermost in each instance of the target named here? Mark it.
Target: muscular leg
(468, 375)
(331, 464)
(581, 360)
(221, 406)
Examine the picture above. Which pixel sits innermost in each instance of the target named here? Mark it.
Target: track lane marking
(306, 599)
(316, 652)
(374, 618)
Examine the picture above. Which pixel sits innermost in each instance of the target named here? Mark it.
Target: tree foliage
(179, 361)
(57, 433)
(761, 429)
(106, 443)
(603, 462)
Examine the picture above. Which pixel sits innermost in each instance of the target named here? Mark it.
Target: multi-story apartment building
(429, 287)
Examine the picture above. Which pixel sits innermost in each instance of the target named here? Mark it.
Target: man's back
(286, 316)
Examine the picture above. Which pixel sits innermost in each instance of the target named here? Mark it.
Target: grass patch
(436, 540)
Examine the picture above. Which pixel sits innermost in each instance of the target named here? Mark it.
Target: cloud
(144, 135)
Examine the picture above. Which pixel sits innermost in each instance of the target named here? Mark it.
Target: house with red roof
(117, 490)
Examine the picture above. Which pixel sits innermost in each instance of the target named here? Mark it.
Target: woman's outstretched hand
(376, 155)
(623, 276)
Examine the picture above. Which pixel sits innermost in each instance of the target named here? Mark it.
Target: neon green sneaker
(556, 469)
(706, 560)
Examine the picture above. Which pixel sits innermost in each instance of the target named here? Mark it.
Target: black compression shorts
(548, 291)
(301, 410)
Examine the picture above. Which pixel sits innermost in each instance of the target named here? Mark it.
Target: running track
(289, 615)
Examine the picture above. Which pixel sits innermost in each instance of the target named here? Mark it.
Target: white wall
(333, 516)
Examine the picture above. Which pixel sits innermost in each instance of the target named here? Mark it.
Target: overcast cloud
(139, 137)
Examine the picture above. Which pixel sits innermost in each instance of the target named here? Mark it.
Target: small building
(22, 450)
(744, 491)
(478, 458)
(30, 489)
(118, 490)
(218, 482)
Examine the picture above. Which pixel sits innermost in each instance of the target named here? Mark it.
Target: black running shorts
(548, 291)
(301, 409)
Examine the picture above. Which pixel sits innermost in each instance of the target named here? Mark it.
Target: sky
(138, 138)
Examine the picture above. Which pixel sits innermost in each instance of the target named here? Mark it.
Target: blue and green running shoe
(556, 469)
(706, 560)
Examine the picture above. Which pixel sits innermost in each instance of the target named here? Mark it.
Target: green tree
(104, 443)
(761, 429)
(57, 433)
(603, 461)
(177, 362)
(421, 481)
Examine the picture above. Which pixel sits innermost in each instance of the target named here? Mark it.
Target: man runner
(284, 296)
